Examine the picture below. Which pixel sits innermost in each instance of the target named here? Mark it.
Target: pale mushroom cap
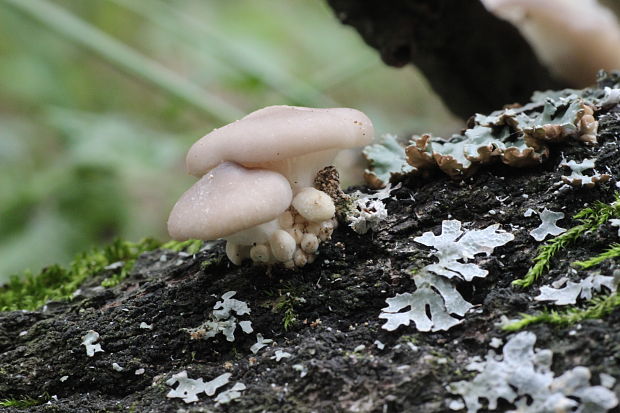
(282, 245)
(229, 199)
(314, 205)
(276, 133)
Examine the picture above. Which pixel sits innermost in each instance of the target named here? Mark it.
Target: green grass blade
(116, 52)
(170, 18)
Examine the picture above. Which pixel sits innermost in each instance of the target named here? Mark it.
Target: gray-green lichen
(386, 159)
(519, 136)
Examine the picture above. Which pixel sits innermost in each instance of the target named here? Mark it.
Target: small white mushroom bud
(297, 232)
(314, 228)
(314, 205)
(282, 245)
(233, 252)
(260, 253)
(299, 258)
(309, 243)
(286, 220)
(326, 230)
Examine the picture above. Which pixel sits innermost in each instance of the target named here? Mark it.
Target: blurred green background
(100, 100)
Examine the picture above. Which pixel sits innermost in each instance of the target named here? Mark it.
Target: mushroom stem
(300, 170)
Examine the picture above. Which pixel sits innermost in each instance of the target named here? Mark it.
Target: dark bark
(473, 60)
(336, 302)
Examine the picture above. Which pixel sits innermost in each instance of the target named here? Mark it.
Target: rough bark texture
(336, 302)
(473, 60)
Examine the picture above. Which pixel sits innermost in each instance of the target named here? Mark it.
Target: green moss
(290, 318)
(208, 263)
(23, 403)
(409, 339)
(30, 291)
(612, 252)
(191, 246)
(127, 253)
(286, 305)
(589, 219)
(596, 308)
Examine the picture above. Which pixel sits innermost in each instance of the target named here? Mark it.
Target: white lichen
(574, 290)
(188, 389)
(615, 223)
(434, 293)
(455, 245)
(222, 319)
(522, 376)
(367, 215)
(231, 394)
(303, 370)
(607, 380)
(578, 178)
(281, 354)
(146, 326)
(611, 97)
(368, 210)
(548, 226)
(89, 341)
(436, 304)
(223, 309)
(260, 343)
(496, 342)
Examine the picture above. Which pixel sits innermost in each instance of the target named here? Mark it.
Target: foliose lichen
(519, 136)
(223, 320)
(522, 375)
(453, 248)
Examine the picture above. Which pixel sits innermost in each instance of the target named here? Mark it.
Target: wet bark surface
(331, 307)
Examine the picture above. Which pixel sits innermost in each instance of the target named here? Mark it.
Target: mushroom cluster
(256, 187)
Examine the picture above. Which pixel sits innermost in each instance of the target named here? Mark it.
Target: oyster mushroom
(295, 141)
(281, 148)
(240, 205)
